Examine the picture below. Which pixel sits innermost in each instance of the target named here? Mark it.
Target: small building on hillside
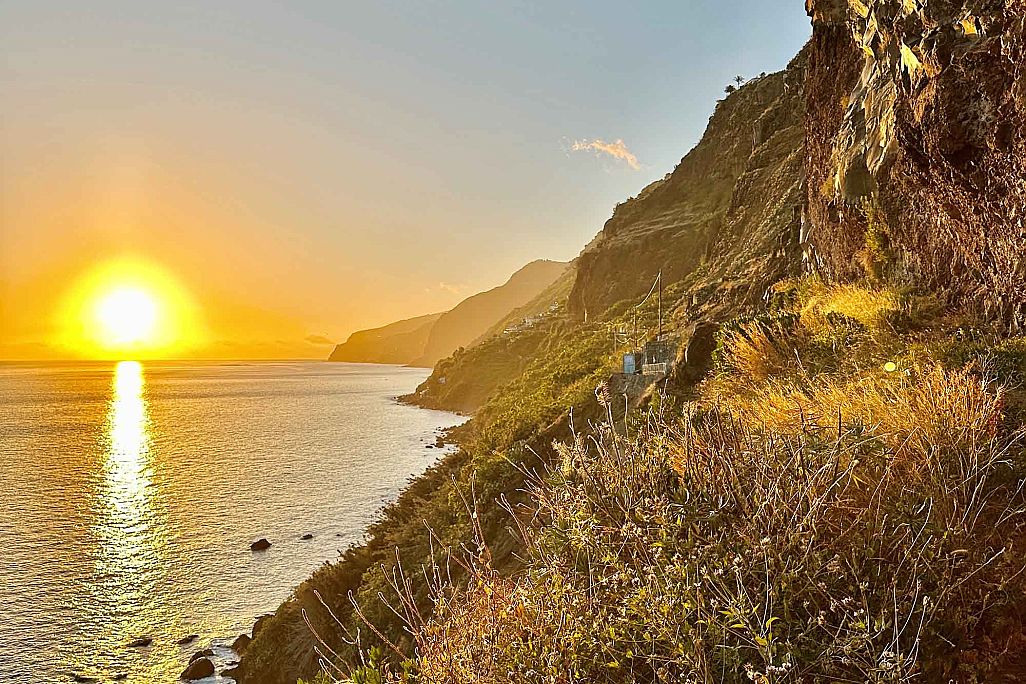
(659, 356)
(656, 358)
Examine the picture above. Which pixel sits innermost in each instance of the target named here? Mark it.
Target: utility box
(630, 364)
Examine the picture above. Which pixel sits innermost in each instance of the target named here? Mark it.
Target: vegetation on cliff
(839, 498)
(842, 500)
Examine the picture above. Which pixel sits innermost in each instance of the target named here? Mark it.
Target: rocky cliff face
(734, 200)
(892, 147)
(916, 151)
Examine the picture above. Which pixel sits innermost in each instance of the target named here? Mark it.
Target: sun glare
(127, 315)
(128, 310)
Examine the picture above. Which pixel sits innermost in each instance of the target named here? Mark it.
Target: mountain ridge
(423, 340)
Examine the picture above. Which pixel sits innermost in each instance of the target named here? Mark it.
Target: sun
(128, 309)
(127, 316)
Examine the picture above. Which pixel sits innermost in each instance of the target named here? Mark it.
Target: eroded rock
(199, 668)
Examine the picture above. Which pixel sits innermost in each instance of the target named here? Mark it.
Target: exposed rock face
(916, 142)
(733, 203)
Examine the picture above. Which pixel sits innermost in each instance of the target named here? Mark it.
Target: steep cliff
(474, 316)
(886, 165)
(422, 341)
(722, 227)
(917, 152)
(734, 199)
(397, 343)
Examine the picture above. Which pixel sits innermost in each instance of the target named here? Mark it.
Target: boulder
(201, 668)
(260, 545)
(205, 653)
(698, 352)
(241, 643)
(234, 672)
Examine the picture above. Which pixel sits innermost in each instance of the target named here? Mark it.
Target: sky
(289, 173)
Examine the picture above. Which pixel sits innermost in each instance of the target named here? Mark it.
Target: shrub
(715, 550)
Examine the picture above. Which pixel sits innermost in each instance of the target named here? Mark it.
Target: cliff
(734, 200)
(422, 341)
(474, 316)
(826, 488)
(722, 227)
(916, 142)
(396, 343)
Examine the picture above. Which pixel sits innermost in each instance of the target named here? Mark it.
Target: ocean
(130, 494)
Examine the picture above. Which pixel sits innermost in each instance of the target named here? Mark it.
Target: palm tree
(739, 80)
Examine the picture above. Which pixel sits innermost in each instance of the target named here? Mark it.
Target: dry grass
(717, 551)
(855, 524)
(758, 350)
(870, 307)
(915, 412)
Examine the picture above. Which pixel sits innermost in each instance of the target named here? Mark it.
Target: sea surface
(130, 494)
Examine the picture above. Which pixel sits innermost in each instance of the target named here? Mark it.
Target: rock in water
(141, 642)
(205, 653)
(198, 669)
(307, 537)
(185, 641)
(260, 545)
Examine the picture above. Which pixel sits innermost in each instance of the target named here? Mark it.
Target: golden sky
(282, 174)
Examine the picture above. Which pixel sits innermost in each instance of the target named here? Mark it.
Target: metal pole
(660, 277)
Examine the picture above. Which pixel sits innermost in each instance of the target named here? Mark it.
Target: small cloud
(450, 288)
(319, 340)
(617, 150)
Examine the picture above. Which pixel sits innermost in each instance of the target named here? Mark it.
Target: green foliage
(877, 256)
(838, 503)
(826, 519)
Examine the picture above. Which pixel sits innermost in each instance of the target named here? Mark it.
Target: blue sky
(343, 164)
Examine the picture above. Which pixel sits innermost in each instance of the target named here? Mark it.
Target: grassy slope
(842, 501)
(536, 380)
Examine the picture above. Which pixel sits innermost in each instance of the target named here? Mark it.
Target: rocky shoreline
(444, 439)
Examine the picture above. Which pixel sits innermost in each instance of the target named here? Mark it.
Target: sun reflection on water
(127, 459)
(126, 529)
